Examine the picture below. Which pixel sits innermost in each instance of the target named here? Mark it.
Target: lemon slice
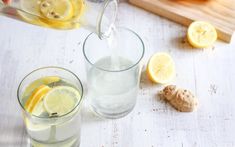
(36, 97)
(61, 100)
(42, 81)
(38, 109)
(33, 127)
(57, 9)
(201, 34)
(161, 68)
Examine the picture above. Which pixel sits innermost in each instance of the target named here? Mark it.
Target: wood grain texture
(209, 73)
(220, 13)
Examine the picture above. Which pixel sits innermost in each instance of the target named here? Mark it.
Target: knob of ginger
(181, 99)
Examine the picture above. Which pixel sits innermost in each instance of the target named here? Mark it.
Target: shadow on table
(144, 80)
(146, 83)
(12, 131)
(182, 43)
(88, 116)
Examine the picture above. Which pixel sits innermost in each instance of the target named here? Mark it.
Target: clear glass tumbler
(113, 72)
(51, 98)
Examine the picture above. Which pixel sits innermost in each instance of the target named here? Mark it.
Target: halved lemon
(61, 100)
(201, 34)
(57, 9)
(161, 68)
(36, 97)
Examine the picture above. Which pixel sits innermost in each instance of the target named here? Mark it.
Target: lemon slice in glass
(57, 9)
(42, 81)
(161, 68)
(201, 34)
(61, 100)
(36, 97)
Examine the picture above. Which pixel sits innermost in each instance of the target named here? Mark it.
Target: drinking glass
(51, 130)
(113, 72)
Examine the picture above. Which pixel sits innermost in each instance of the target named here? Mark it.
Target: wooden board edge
(222, 35)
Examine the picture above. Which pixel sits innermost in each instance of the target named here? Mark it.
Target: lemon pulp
(160, 68)
(61, 100)
(36, 97)
(201, 34)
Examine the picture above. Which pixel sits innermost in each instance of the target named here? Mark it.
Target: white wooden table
(209, 73)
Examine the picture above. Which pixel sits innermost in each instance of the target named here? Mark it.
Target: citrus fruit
(161, 68)
(61, 100)
(201, 34)
(36, 97)
(42, 81)
(38, 109)
(57, 9)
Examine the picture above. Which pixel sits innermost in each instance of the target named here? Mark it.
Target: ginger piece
(181, 99)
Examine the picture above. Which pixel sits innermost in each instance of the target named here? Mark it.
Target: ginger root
(181, 99)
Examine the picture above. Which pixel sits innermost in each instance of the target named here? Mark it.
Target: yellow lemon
(61, 100)
(36, 97)
(161, 68)
(42, 81)
(57, 9)
(201, 34)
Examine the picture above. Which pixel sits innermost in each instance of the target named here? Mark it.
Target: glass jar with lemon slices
(51, 99)
(95, 15)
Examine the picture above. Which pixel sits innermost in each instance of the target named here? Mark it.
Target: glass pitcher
(95, 15)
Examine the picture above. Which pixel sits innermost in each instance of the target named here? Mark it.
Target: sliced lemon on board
(61, 100)
(161, 68)
(57, 9)
(36, 97)
(201, 34)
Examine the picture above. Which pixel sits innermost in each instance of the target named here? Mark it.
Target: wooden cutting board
(220, 13)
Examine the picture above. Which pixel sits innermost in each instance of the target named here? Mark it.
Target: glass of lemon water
(51, 99)
(113, 72)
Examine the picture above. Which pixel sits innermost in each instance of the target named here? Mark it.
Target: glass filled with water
(113, 72)
(51, 99)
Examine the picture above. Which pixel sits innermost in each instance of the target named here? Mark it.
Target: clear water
(51, 132)
(113, 94)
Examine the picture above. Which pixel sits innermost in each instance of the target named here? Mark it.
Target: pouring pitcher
(95, 15)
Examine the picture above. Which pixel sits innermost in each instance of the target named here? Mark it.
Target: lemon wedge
(36, 97)
(161, 68)
(201, 34)
(61, 100)
(57, 9)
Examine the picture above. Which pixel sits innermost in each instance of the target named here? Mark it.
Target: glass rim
(49, 67)
(128, 68)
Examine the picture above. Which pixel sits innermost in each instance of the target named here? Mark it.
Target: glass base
(111, 115)
(71, 142)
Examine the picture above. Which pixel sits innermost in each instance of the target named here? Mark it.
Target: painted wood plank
(208, 73)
